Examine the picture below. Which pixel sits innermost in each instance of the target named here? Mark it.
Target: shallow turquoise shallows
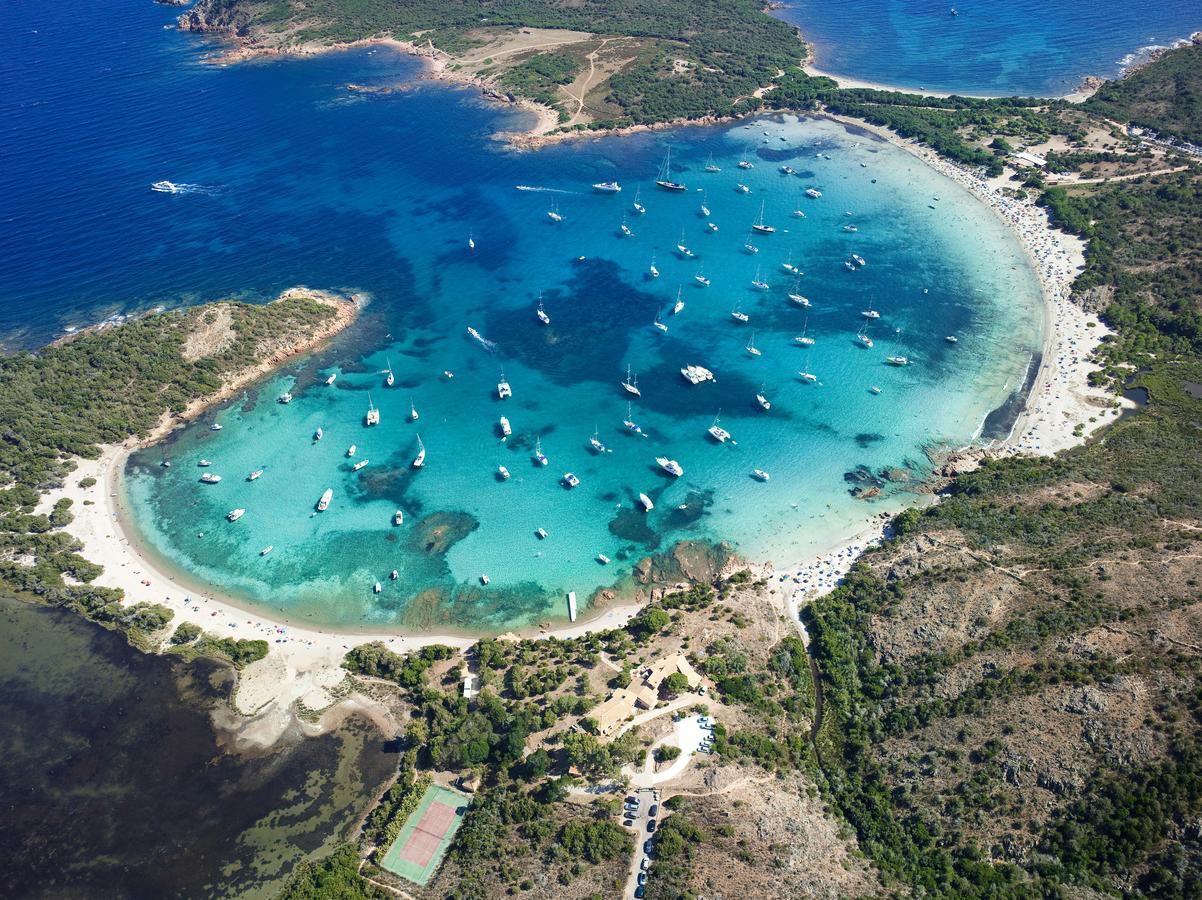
(935, 263)
(286, 177)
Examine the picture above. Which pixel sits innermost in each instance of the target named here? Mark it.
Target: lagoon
(288, 177)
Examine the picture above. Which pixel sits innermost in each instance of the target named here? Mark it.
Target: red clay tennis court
(427, 833)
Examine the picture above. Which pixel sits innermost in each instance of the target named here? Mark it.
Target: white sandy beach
(1060, 399)
(304, 664)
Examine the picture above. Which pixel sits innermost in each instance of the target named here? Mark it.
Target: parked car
(649, 846)
(642, 877)
(639, 892)
(632, 800)
(654, 810)
(650, 825)
(645, 864)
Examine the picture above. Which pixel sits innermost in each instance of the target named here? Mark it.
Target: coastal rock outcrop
(205, 18)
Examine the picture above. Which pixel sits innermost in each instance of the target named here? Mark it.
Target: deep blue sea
(285, 177)
(1026, 47)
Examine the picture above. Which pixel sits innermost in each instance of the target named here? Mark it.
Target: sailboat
(870, 313)
(629, 422)
(700, 278)
(682, 248)
(631, 384)
(373, 413)
(862, 338)
(711, 166)
(652, 271)
(750, 247)
(503, 388)
(678, 305)
(471, 241)
(788, 266)
(539, 456)
(664, 179)
(389, 379)
(658, 324)
(762, 400)
(758, 283)
(420, 459)
(637, 206)
(542, 313)
(705, 210)
(759, 225)
(595, 441)
(553, 212)
(413, 416)
(625, 229)
(744, 164)
(751, 347)
(795, 295)
(738, 315)
(806, 375)
(802, 338)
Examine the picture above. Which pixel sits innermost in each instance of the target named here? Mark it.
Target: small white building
(1027, 158)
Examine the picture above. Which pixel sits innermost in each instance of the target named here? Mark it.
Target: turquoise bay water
(930, 272)
(292, 179)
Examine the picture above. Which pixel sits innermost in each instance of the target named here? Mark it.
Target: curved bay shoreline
(304, 663)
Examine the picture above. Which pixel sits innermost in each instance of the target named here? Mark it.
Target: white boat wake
(172, 187)
(542, 190)
(484, 342)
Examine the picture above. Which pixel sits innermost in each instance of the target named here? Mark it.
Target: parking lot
(641, 810)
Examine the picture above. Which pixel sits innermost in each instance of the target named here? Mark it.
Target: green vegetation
(335, 876)
(186, 633)
(538, 77)
(239, 651)
(695, 57)
(387, 819)
(965, 825)
(378, 661)
(679, 839)
(1165, 96)
(666, 753)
